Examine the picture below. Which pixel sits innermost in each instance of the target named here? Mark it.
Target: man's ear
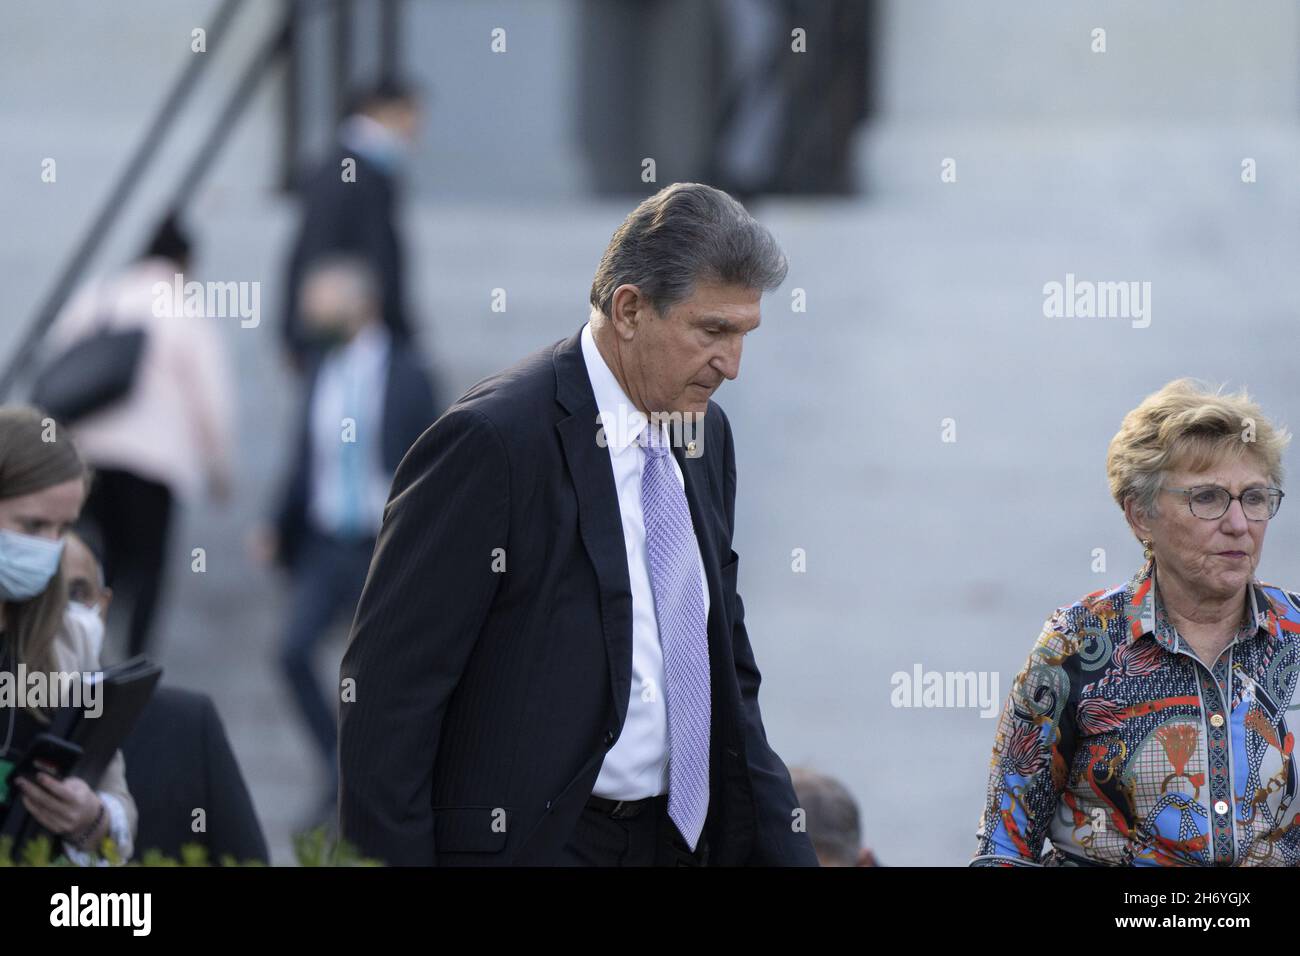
(626, 308)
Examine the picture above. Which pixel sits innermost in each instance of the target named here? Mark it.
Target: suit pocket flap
(470, 829)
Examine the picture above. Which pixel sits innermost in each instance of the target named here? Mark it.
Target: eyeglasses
(1211, 502)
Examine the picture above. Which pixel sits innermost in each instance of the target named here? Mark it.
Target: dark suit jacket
(178, 758)
(347, 218)
(483, 696)
(409, 408)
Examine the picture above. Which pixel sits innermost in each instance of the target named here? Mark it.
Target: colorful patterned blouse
(1120, 746)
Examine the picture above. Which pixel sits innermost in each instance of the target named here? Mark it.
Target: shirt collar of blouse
(1145, 615)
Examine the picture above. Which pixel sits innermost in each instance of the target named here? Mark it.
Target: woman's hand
(66, 807)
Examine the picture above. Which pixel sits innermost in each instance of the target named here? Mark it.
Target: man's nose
(728, 363)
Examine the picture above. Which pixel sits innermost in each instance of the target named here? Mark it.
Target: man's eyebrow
(719, 321)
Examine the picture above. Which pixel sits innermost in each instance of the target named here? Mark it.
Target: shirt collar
(623, 424)
(1144, 611)
(368, 348)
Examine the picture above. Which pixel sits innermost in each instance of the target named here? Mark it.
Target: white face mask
(87, 616)
(27, 563)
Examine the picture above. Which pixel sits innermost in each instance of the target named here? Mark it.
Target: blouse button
(1216, 720)
(1221, 807)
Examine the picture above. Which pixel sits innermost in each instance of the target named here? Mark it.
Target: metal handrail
(279, 43)
(219, 133)
(130, 176)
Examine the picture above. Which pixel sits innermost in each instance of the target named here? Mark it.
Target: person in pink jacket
(168, 440)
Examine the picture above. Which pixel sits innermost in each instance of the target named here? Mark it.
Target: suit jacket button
(609, 737)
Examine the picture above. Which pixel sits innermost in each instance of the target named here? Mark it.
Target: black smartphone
(48, 753)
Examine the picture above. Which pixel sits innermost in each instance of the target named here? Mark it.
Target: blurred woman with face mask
(43, 484)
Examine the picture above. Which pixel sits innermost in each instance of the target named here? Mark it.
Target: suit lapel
(600, 522)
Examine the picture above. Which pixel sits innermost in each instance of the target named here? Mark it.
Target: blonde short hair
(1188, 426)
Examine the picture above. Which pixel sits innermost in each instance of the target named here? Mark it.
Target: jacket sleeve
(123, 818)
(413, 397)
(423, 407)
(777, 841)
(289, 517)
(233, 826)
(1032, 751)
(199, 355)
(118, 802)
(427, 594)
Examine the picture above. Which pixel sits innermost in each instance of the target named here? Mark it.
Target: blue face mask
(388, 155)
(27, 563)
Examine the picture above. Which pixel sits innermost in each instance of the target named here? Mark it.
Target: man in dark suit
(349, 206)
(549, 662)
(367, 400)
(178, 760)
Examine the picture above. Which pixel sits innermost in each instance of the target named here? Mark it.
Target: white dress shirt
(637, 765)
(349, 486)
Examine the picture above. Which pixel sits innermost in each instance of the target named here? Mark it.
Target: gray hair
(831, 815)
(683, 234)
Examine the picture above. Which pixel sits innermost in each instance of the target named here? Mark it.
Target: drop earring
(1147, 553)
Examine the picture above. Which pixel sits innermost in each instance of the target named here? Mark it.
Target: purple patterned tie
(679, 610)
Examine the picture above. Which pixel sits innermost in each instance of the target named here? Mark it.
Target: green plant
(312, 848)
(315, 848)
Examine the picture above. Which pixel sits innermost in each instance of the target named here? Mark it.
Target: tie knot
(651, 439)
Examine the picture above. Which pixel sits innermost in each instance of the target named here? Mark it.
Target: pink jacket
(175, 426)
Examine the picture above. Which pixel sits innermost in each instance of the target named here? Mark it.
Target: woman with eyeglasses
(1149, 726)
